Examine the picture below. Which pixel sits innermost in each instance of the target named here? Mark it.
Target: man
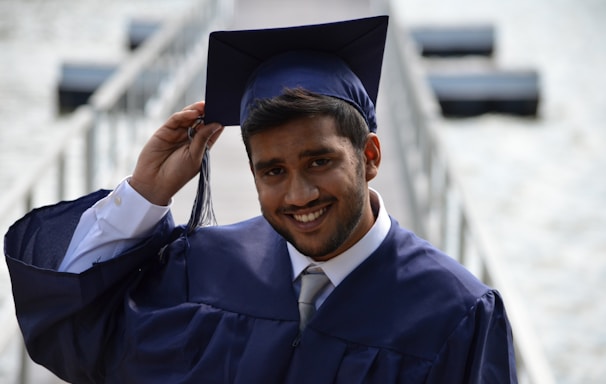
(323, 288)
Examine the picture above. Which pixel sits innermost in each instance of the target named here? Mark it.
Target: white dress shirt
(124, 218)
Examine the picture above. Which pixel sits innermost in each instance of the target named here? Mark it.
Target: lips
(308, 217)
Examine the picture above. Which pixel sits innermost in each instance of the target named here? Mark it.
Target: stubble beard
(354, 199)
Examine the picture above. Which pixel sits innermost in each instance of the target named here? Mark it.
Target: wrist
(149, 192)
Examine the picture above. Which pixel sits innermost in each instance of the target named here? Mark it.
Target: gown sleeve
(69, 320)
(112, 225)
(480, 350)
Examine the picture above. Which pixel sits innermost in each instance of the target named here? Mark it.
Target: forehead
(296, 137)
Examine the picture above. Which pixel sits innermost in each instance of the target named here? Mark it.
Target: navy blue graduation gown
(218, 306)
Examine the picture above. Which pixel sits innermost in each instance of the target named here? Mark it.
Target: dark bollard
(446, 41)
(473, 94)
(78, 82)
(140, 30)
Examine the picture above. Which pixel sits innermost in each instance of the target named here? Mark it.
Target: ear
(372, 156)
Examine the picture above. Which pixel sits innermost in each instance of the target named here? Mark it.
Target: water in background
(36, 37)
(538, 185)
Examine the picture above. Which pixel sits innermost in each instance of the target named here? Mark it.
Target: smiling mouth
(306, 218)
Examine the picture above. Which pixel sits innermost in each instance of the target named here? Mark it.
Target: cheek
(267, 196)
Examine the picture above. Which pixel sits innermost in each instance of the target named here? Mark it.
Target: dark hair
(297, 103)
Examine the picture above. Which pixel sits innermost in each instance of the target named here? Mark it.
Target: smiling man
(324, 287)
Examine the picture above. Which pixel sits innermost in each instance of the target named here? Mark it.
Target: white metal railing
(101, 139)
(441, 211)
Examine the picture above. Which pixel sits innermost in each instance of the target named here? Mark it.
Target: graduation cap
(341, 59)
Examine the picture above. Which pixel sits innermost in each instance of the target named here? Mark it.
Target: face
(313, 185)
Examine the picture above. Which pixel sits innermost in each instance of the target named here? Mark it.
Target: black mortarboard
(341, 59)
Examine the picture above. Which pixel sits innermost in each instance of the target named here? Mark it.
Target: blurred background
(536, 184)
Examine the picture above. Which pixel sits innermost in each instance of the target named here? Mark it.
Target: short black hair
(297, 103)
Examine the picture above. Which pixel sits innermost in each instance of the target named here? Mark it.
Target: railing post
(444, 217)
(111, 131)
(23, 366)
(91, 153)
(61, 176)
(462, 230)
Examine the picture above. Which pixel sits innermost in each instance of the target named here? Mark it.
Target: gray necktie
(313, 280)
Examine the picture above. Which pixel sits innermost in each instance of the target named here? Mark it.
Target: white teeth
(310, 216)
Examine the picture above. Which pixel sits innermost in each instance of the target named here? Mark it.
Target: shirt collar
(342, 265)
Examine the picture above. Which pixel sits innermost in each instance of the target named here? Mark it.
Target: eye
(274, 171)
(320, 162)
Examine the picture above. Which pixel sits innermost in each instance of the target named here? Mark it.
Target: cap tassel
(202, 213)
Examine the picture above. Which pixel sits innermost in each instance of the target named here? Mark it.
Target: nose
(301, 191)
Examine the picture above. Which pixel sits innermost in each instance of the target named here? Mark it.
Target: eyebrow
(264, 164)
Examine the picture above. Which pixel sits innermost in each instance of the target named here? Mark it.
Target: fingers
(186, 117)
(183, 119)
(189, 117)
(185, 128)
(197, 106)
(205, 137)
